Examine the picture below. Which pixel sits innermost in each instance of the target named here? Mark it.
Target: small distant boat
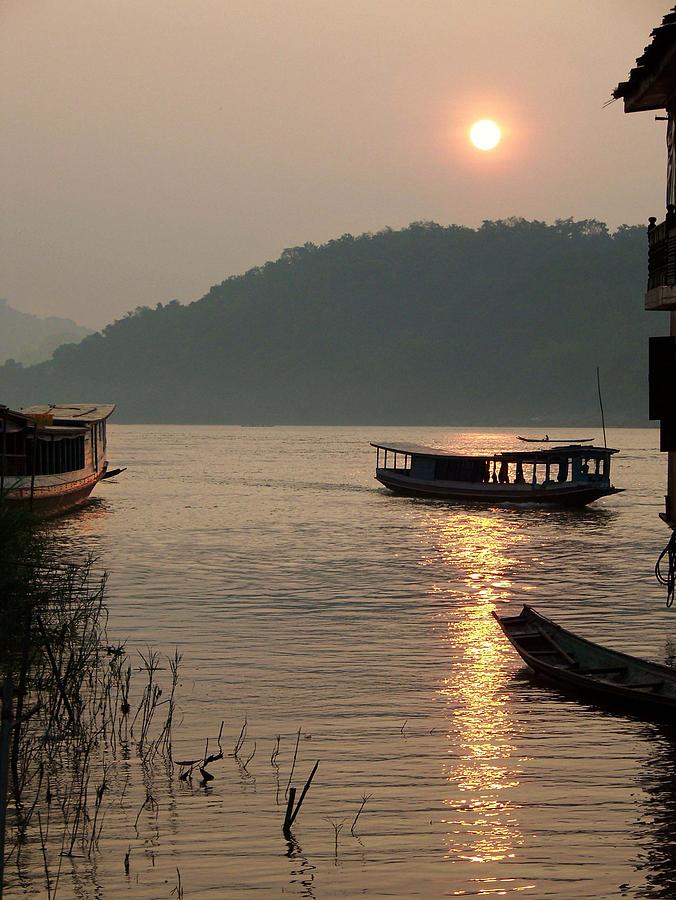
(588, 669)
(52, 457)
(547, 440)
(567, 476)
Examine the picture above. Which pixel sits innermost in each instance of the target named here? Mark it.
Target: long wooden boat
(571, 475)
(547, 440)
(587, 669)
(52, 457)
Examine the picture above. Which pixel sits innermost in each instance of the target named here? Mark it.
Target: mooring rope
(669, 580)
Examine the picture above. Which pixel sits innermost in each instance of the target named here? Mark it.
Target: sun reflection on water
(481, 769)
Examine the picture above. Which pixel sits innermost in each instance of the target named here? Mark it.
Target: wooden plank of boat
(548, 440)
(590, 670)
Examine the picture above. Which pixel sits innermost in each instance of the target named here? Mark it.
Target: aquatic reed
(364, 800)
(69, 695)
(293, 810)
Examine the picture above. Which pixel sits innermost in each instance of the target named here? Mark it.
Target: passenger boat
(570, 475)
(51, 457)
(588, 669)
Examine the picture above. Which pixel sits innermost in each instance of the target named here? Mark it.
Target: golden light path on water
(483, 824)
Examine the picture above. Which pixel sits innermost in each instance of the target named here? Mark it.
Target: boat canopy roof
(72, 412)
(509, 456)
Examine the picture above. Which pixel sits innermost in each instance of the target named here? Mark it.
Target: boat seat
(553, 653)
(603, 670)
(646, 685)
(547, 640)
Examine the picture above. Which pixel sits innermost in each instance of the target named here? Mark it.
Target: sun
(485, 134)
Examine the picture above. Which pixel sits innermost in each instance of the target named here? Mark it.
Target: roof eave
(646, 91)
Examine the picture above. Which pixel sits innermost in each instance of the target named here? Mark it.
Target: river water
(303, 595)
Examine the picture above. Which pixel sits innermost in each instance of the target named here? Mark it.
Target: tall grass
(73, 709)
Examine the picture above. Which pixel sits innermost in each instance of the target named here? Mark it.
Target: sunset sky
(151, 148)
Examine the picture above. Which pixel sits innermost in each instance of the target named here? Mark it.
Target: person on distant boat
(546, 437)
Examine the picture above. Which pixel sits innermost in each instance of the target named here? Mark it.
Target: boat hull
(54, 499)
(590, 671)
(557, 495)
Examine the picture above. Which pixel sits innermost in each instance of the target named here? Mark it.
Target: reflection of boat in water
(571, 475)
(547, 440)
(590, 670)
(51, 457)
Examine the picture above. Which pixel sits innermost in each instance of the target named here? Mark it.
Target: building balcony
(661, 293)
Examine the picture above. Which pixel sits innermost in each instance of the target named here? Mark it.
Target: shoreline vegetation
(88, 728)
(426, 325)
(72, 707)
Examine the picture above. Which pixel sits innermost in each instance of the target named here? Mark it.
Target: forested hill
(427, 325)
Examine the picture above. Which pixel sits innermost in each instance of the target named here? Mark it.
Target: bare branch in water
(275, 752)
(253, 753)
(337, 828)
(304, 792)
(293, 764)
(365, 798)
(240, 740)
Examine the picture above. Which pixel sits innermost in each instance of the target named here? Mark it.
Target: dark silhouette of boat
(570, 475)
(587, 669)
(547, 440)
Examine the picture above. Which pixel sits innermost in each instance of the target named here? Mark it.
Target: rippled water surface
(303, 595)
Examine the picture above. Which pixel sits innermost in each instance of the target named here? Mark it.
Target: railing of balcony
(662, 251)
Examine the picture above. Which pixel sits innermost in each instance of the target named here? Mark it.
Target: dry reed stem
(293, 764)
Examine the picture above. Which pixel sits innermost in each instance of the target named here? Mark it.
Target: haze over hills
(430, 324)
(31, 339)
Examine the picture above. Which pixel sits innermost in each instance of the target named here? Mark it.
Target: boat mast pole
(3, 459)
(603, 420)
(34, 462)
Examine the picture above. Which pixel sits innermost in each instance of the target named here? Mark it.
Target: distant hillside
(29, 339)
(499, 325)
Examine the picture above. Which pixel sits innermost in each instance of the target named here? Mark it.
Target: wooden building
(651, 86)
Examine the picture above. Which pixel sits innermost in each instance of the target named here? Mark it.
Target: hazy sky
(150, 148)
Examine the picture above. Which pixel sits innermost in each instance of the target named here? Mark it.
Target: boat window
(54, 457)
(468, 469)
(13, 453)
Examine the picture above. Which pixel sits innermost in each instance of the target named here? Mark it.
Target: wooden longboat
(547, 440)
(587, 669)
(571, 475)
(52, 457)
